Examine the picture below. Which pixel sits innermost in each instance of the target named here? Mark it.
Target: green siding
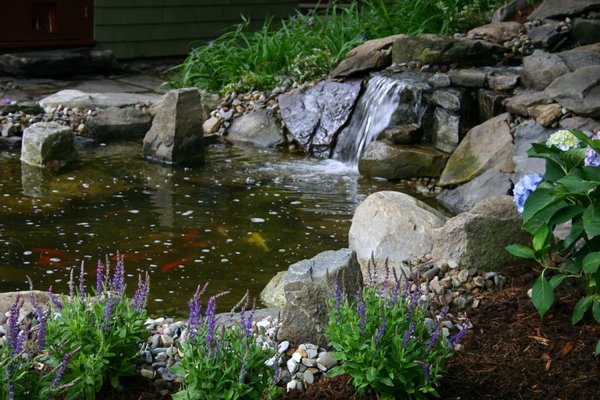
(153, 28)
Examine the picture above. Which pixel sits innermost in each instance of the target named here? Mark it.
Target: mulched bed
(510, 354)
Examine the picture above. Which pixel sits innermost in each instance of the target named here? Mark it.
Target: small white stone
(292, 385)
(292, 366)
(297, 357)
(283, 346)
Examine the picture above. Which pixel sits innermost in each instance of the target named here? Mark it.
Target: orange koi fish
(50, 252)
(191, 235)
(46, 261)
(256, 238)
(172, 265)
(197, 244)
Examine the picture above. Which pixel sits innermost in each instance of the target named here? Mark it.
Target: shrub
(105, 328)
(307, 47)
(383, 342)
(222, 363)
(26, 370)
(567, 192)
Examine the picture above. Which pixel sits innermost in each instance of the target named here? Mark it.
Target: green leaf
(575, 234)
(540, 238)
(596, 310)
(591, 173)
(557, 280)
(566, 214)
(542, 295)
(598, 348)
(591, 221)
(521, 251)
(580, 308)
(591, 262)
(336, 371)
(371, 374)
(575, 184)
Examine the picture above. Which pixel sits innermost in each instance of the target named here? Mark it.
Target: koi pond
(235, 222)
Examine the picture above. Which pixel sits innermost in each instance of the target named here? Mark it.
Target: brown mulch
(510, 354)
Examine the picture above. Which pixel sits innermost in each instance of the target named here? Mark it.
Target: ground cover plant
(567, 192)
(222, 363)
(383, 341)
(306, 47)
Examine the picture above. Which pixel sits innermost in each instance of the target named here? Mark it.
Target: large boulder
(542, 68)
(478, 238)
(563, 8)
(72, 98)
(373, 54)
(118, 124)
(394, 226)
(315, 116)
(176, 135)
(521, 102)
(48, 144)
(462, 198)
(258, 128)
(582, 56)
(308, 285)
(439, 49)
(273, 294)
(486, 146)
(578, 91)
(384, 160)
(446, 130)
(508, 11)
(525, 134)
(586, 30)
(7, 299)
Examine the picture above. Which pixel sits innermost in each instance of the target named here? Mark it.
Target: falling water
(374, 113)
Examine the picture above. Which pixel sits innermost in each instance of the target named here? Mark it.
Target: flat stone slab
(58, 62)
(76, 98)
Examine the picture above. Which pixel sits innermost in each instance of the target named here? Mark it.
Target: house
(130, 28)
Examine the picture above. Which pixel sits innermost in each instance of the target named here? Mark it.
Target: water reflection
(235, 222)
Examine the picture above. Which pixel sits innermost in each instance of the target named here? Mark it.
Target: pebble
(309, 378)
(283, 346)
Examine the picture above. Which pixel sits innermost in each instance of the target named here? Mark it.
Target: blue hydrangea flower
(563, 139)
(591, 157)
(524, 188)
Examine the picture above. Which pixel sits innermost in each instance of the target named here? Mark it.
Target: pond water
(234, 222)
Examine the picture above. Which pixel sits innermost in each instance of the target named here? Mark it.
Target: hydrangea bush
(567, 192)
(222, 363)
(383, 342)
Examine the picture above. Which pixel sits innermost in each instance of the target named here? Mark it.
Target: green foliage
(383, 343)
(28, 372)
(569, 193)
(306, 47)
(222, 363)
(105, 328)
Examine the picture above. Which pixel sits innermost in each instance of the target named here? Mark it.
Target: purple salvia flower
(71, 284)
(408, 334)
(362, 312)
(54, 299)
(108, 312)
(195, 317)
(13, 325)
(60, 371)
(9, 383)
(460, 335)
(99, 278)
(436, 333)
(381, 330)
(141, 294)
(82, 281)
(118, 281)
(412, 303)
(243, 310)
(248, 329)
(210, 320)
(41, 318)
(386, 278)
(339, 298)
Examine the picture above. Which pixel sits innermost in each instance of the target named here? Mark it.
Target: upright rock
(371, 55)
(48, 144)
(308, 285)
(477, 238)
(392, 225)
(176, 135)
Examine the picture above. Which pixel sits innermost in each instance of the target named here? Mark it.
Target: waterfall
(373, 113)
